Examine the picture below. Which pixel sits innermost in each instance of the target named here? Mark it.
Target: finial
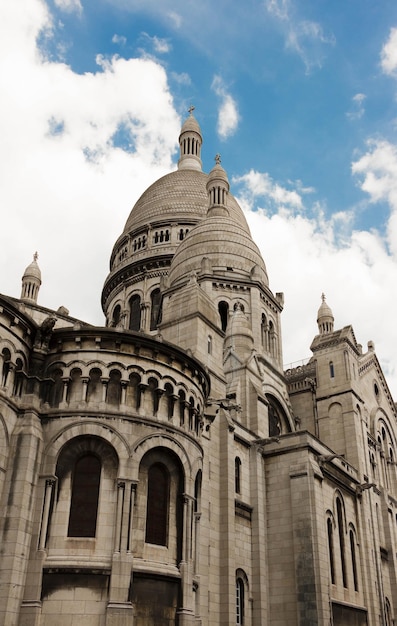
(191, 109)
(323, 297)
(35, 256)
(218, 159)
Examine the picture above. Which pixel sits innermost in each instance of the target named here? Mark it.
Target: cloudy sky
(299, 98)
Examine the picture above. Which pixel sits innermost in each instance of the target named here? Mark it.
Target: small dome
(191, 124)
(325, 318)
(227, 247)
(33, 270)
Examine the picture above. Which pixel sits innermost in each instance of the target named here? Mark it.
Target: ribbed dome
(177, 196)
(191, 124)
(32, 270)
(325, 318)
(225, 245)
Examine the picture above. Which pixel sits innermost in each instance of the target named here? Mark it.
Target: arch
(114, 388)
(278, 420)
(149, 442)
(85, 428)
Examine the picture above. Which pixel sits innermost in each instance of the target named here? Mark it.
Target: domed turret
(325, 318)
(218, 189)
(31, 281)
(190, 141)
(220, 239)
(239, 336)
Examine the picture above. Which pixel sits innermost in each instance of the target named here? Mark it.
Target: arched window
(240, 602)
(19, 378)
(94, 389)
(170, 399)
(331, 549)
(155, 312)
(133, 391)
(341, 540)
(223, 309)
(331, 370)
(182, 405)
(57, 387)
(116, 315)
(237, 475)
(85, 494)
(75, 389)
(354, 561)
(135, 313)
(6, 366)
(209, 344)
(157, 505)
(114, 388)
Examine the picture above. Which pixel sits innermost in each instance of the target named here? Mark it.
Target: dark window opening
(135, 313)
(341, 541)
(157, 505)
(331, 550)
(85, 495)
(223, 309)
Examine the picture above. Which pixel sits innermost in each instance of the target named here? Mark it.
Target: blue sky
(298, 97)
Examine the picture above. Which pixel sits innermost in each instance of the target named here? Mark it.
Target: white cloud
(69, 6)
(159, 45)
(228, 116)
(389, 53)
(305, 37)
(182, 78)
(357, 110)
(76, 151)
(119, 39)
(261, 185)
(377, 174)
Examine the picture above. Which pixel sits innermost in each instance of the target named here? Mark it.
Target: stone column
(120, 610)
(17, 513)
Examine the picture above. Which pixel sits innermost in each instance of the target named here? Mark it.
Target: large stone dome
(176, 196)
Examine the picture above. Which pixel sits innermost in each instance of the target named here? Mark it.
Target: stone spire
(218, 189)
(31, 281)
(190, 141)
(325, 318)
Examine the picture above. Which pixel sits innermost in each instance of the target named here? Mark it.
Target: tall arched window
(341, 540)
(85, 494)
(237, 475)
(155, 313)
(135, 313)
(6, 366)
(116, 315)
(157, 505)
(223, 309)
(354, 560)
(240, 602)
(331, 369)
(331, 549)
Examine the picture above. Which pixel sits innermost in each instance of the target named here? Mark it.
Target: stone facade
(164, 469)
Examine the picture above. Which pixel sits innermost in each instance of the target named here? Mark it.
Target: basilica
(164, 469)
